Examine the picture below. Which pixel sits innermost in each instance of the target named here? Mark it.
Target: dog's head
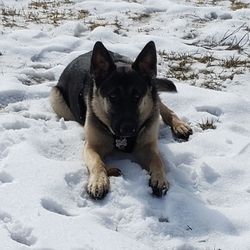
(124, 95)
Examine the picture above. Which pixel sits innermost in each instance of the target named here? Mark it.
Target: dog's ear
(102, 63)
(146, 61)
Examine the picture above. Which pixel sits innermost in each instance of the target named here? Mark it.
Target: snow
(42, 173)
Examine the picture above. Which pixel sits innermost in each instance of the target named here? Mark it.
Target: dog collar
(124, 144)
(127, 144)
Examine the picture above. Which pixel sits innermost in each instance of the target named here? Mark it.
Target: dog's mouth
(127, 135)
(122, 135)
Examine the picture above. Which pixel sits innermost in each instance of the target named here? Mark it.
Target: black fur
(109, 70)
(121, 101)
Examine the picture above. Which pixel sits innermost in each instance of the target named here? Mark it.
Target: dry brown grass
(237, 5)
(41, 12)
(207, 124)
(204, 70)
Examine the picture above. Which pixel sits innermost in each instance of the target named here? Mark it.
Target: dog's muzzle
(127, 129)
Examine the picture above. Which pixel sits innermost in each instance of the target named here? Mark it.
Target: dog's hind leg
(59, 105)
(179, 127)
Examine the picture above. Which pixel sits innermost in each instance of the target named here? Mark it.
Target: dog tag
(121, 143)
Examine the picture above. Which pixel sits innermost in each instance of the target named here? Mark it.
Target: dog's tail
(163, 84)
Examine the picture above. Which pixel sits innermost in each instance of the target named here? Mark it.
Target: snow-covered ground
(42, 174)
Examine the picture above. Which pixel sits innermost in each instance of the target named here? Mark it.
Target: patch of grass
(206, 2)
(203, 70)
(116, 24)
(81, 14)
(138, 17)
(182, 72)
(247, 28)
(9, 15)
(207, 124)
(135, 1)
(212, 83)
(41, 12)
(229, 41)
(234, 62)
(163, 219)
(93, 25)
(192, 34)
(43, 4)
(179, 65)
(186, 57)
(205, 58)
(237, 5)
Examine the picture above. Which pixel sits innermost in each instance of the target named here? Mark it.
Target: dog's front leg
(98, 185)
(149, 158)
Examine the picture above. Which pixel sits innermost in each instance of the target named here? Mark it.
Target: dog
(117, 102)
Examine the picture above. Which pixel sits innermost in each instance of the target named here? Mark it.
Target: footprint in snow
(5, 217)
(54, 207)
(5, 178)
(209, 173)
(22, 234)
(15, 125)
(13, 96)
(212, 110)
(74, 178)
(34, 77)
(17, 231)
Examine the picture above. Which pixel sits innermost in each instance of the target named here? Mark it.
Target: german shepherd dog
(117, 102)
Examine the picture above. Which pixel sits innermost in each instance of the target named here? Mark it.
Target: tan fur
(98, 144)
(150, 133)
(97, 138)
(98, 183)
(145, 107)
(59, 105)
(148, 156)
(100, 139)
(101, 107)
(147, 153)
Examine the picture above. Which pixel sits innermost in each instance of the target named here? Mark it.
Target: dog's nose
(127, 129)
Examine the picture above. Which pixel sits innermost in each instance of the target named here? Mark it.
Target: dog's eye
(113, 97)
(136, 97)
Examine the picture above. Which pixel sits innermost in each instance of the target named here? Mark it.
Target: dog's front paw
(159, 184)
(98, 185)
(182, 130)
